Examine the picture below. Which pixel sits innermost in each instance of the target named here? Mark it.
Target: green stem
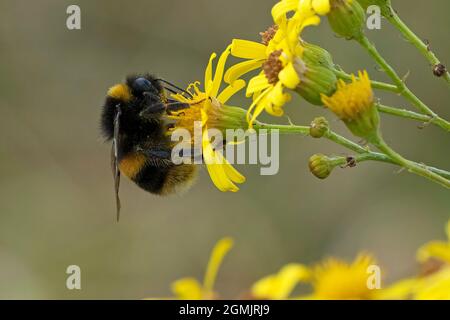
(403, 89)
(381, 157)
(364, 154)
(405, 114)
(424, 49)
(284, 129)
(411, 166)
(375, 84)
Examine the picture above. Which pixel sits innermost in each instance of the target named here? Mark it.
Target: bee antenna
(170, 90)
(174, 86)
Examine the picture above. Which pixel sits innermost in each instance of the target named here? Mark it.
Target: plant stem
(411, 166)
(380, 157)
(375, 84)
(285, 129)
(424, 49)
(403, 113)
(403, 89)
(363, 154)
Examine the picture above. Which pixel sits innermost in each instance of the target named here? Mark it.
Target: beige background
(56, 198)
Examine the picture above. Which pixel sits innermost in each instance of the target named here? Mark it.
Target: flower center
(268, 35)
(272, 66)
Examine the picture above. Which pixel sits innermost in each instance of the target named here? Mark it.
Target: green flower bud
(315, 81)
(321, 166)
(319, 126)
(347, 18)
(314, 54)
(385, 5)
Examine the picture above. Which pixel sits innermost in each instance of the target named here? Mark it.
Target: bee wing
(114, 160)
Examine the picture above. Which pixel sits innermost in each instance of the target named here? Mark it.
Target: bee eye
(142, 85)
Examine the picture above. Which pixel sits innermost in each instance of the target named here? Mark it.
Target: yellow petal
(231, 90)
(322, 7)
(434, 249)
(218, 75)
(238, 70)
(447, 230)
(276, 100)
(219, 252)
(216, 174)
(258, 105)
(215, 167)
(248, 49)
(233, 174)
(312, 21)
(281, 285)
(281, 8)
(401, 290)
(208, 72)
(289, 76)
(187, 289)
(277, 95)
(435, 287)
(305, 8)
(230, 172)
(258, 83)
(215, 171)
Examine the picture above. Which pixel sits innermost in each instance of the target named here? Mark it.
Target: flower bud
(315, 81)
(319, 126)
(347, 18)
(354, 104)
(317, 55)
(321, 166)
(384, 5)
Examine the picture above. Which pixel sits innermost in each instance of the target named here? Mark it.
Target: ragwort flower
(280, 60)
(191, 288)
(208, 107)
(331, 279)
(354, 104)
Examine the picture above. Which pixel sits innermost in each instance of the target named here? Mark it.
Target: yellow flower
(280, 286)
(279, 57)
(434, 281)
(434, 287)
(191, 288)
(336, 279)
(351, 99)
(353, 103)
(431, 287)
(436, 249)
(208, 106)
(332, 279)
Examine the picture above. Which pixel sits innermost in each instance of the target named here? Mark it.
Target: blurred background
(56, 191)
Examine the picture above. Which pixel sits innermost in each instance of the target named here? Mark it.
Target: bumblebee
(133, 118)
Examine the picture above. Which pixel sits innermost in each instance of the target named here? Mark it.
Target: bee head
(141, 85)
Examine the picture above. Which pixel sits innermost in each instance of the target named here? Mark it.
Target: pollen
(268, 35)
(120, 91)
(273, 66)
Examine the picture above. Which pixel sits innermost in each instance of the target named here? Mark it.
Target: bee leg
(174, 106)
(114, 159)
(152, 110)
